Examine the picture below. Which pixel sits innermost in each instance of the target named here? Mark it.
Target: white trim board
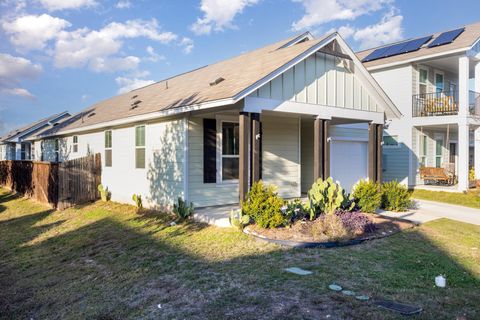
(257, 105)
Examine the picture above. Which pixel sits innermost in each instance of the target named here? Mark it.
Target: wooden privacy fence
(78, 181)
(36, 180)
(61, 185)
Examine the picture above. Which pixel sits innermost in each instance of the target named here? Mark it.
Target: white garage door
(348, 162)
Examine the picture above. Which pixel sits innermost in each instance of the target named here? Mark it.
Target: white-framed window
(422, 80)
(108, 148)
(140, 147)
(422, 154)
(390, 141)
(228, 147)
(32, 151)
(75, 144)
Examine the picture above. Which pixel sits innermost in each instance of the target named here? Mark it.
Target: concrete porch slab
(216, 215)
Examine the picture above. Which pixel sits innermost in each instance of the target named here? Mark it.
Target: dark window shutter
(209, 151)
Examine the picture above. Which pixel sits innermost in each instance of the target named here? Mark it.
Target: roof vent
(217, 81)
(91, 114)
(135, 104)
(135, 96)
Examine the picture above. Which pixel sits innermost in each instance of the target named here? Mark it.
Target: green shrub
(264, 206)
(105, 194)
(395, 196)
(326, 196)
(138, 201)
(238, 219)
(294, 210)
(367, 195)
(182, 210)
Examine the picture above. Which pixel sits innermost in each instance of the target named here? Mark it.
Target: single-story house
(15, 145)
(287, 113)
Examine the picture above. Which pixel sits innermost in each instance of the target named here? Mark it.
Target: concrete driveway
(430, 210)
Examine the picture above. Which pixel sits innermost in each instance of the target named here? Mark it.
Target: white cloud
(19, 92)
(318, 12)
(114, 64)
(93, 48)
(389, 29)
(54, 5)
(123, 4)
(129, 84)
(33, 32)
(12, 71)
(219, 14)
(344, 31)
(153, 56)
(187, 45)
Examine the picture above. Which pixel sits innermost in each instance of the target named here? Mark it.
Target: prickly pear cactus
(326, 196)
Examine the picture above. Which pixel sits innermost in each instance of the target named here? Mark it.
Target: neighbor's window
(230, 150)
(75, 144)
(422, 81)
(140, 147)
(108, 148)
(423, 151)
(390, 141)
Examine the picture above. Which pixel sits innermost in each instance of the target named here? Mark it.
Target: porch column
(375, 133)
(256, 141)
(463, 85)
(463, 129)
(321, 149)
(463, 153)
(244, 132)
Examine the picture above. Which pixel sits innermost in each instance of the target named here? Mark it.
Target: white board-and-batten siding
(320, 79)
(160, 183)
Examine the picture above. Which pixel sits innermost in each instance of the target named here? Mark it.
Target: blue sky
(58, 55)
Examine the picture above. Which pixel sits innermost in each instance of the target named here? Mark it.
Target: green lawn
(469, 199)
(103, 261)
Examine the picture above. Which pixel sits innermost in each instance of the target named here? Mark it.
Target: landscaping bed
(305, 231)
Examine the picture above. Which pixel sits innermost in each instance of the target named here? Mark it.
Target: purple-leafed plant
(356, 222)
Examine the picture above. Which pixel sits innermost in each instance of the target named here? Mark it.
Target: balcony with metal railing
(443, 103)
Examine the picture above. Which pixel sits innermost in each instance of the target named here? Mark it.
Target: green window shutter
(140, 158)
(140, 136)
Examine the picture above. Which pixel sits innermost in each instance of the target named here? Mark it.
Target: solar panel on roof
(414, 45)
(396, 49)
(376, 54)
(446, 38)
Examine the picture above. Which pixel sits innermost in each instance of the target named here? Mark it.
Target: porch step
(217, 216)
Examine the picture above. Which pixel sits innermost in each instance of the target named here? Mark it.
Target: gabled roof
(218, 84)
(464, 42)
(33, 128)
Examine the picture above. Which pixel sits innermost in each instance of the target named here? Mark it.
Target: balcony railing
(443, 104)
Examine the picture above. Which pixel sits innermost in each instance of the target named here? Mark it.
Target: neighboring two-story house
(434, 80)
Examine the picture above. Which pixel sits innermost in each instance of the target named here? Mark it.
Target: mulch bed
(301, 232)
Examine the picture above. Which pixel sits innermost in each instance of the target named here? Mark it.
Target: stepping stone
(402, 308)
(348, 293)
(335, 287)
(362, 298)
(298, 271)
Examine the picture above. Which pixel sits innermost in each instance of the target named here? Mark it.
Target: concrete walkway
(430, 210)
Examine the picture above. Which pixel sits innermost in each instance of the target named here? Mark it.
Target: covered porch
(446, 155)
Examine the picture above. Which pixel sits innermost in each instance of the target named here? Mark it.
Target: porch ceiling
(449, 63)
